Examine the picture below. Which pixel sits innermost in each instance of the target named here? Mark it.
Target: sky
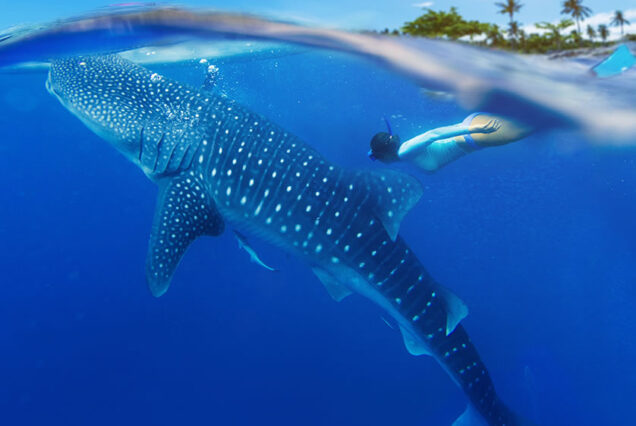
(346, 14)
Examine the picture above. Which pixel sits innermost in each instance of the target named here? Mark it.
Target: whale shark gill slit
(154, 168)
(141, 143)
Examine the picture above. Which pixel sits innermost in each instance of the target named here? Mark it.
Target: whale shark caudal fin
(394, 194)
(184, 212)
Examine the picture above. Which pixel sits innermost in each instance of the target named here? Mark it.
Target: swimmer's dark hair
(384, 147)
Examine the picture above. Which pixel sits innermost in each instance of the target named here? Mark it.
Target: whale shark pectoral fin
(394, 194)
(456, 309)
(336, 290)
(184, 212)
(413, 344)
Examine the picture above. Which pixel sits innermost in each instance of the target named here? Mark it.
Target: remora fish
(214, 160)
(245, 245)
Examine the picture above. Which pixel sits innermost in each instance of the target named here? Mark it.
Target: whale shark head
(114, 101)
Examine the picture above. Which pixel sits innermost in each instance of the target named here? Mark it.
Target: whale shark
(216, 162)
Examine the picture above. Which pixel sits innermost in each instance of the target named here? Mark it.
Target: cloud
(423, 4)
(595, 20)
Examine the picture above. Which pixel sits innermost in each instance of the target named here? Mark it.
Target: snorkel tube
(388, 126)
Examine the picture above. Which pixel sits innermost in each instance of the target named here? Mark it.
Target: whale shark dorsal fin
(336, 290)
(184, 212)
(414, 345)
(393, 194)
(456, 309)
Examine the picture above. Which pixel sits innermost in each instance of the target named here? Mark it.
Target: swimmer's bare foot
(490, 127)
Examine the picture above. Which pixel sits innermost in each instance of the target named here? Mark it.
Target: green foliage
(450, 24)
(576, 10)
(553, 38)
(510, 7)
(444, 24)
(494, 36)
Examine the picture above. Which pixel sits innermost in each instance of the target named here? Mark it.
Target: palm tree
(523, 38)
(591, 32)
(513, 30)
(619, 20)
(493, 35)
(576, 9)
(510, 7)
(555, 30)
(603, 32)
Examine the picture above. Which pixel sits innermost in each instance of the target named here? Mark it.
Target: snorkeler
(436, 148)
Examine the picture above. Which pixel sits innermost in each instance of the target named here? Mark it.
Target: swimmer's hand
(490, 127)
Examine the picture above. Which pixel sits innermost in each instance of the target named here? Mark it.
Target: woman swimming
(436, 148)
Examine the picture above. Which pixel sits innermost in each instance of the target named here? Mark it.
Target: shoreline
(590, 52)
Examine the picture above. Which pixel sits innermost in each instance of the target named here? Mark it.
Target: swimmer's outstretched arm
(415, 145)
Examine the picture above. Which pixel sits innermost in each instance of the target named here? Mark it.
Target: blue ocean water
(537, 237)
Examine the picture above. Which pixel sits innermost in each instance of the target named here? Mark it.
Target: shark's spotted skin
(214, 160)
(184, 211)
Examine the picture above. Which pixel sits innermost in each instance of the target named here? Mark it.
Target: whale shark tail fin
(184, 212)
(393, 193)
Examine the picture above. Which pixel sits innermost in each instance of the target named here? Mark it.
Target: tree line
(451, 25)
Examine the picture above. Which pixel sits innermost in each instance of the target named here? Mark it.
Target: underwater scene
(219, 218)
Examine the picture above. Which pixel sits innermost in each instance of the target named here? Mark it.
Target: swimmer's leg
(445, 151)
(439, 153)
(507, 131)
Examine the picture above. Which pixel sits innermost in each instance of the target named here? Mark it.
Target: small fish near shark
(245, 245)
(215, 161)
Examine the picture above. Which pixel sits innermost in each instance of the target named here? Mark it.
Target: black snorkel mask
(384, 146)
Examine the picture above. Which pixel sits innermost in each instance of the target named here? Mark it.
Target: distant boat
(617, 63)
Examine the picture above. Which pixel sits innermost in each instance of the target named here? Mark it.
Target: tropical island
(551, 36)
